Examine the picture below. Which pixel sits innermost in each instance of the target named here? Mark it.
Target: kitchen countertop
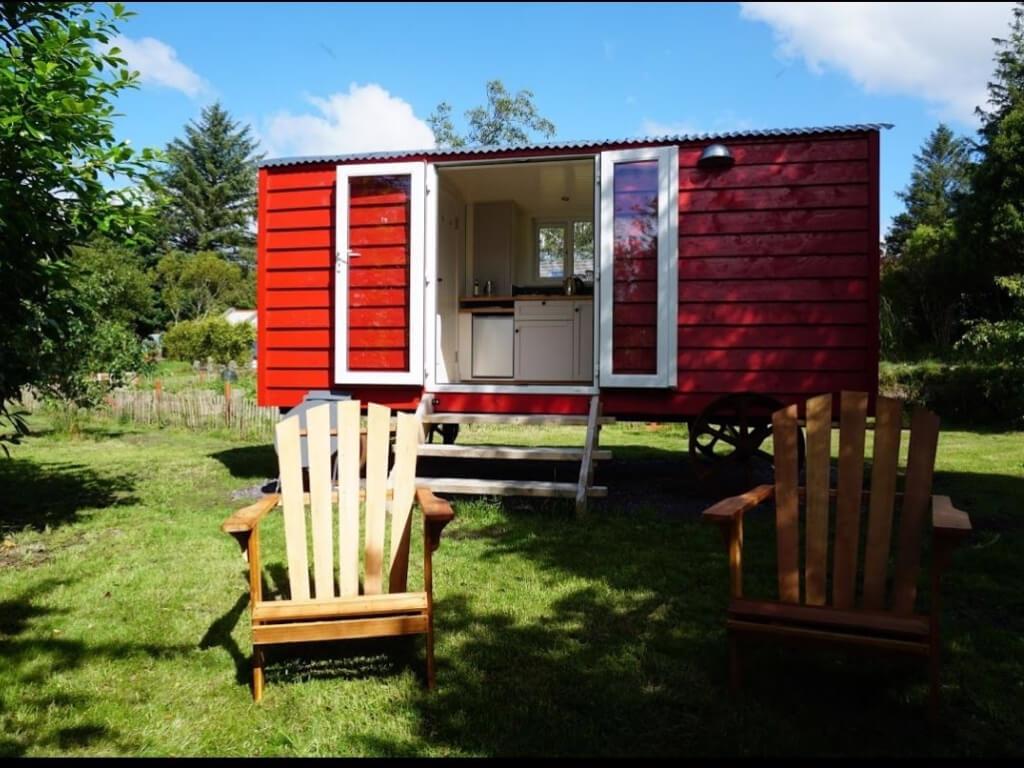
(526, 297)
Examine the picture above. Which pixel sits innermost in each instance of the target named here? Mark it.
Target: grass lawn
(124, 626)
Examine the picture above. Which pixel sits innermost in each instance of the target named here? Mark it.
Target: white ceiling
(537, 187)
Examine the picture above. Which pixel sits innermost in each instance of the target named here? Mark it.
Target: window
(565, 248)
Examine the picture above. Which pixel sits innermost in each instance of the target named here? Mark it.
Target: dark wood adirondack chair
(342, 605)
(881, 614)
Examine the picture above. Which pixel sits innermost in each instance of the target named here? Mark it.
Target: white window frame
(668, 267)
(567, 223)
(417, 192)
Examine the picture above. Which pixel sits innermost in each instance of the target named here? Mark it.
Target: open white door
(639, 272)
(379, 274)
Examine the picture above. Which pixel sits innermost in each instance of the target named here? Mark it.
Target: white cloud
(941, 52)
(158, 63)
(364, 119)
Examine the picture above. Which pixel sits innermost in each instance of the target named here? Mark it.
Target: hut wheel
(730, 434)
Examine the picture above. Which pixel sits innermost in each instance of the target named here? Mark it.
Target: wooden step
(475, 487)
(564, 419)
(508, 452)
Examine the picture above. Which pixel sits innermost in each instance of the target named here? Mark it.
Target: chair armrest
(435, 509)
(948, 521)
(247, 518)
(437, 513)
(729, 509)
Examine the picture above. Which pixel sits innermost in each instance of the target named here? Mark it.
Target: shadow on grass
(34, 656)
(37, 494)
(634, 661)
(249, 462)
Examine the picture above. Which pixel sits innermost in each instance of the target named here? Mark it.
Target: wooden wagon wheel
(729, 434)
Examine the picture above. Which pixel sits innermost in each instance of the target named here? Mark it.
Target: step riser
(507, 453)
(512, 418)
(505, 487)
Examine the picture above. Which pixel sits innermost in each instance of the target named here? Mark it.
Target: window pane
(551, 251)
(583, 248)
(635, 260)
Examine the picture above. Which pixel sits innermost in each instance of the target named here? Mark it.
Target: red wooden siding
(778, 281)
(295, 279)
(778, 265)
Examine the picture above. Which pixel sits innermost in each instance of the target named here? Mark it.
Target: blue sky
(336, 77)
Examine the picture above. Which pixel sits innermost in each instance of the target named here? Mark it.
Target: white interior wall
(537, 189)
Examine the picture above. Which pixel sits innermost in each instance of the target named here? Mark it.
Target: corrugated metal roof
(395, 154)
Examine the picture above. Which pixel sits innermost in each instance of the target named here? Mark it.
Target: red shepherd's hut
(694, 278)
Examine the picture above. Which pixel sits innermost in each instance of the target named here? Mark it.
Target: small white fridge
(493, 346)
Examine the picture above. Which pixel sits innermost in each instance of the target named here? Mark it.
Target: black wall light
(716, 156)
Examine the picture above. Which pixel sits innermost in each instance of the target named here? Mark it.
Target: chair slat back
(787, 504)
(383, 497)
(318, 431)
(848, 495)
(290, 473)
(853, 408)
(377, 444)
(884, 465)
(818, 469)
(348, 498)
(924, 438)
(403, 489)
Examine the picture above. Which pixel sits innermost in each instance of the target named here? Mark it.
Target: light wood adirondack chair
(340, 606)
(864, 617)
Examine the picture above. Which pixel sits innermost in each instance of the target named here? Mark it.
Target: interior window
(551, 251)
(565, 248)
(583, 248)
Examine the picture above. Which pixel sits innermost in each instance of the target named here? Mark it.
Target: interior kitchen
(515, 273)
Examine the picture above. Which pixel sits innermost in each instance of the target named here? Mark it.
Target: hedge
(208, 337)
(985, 394)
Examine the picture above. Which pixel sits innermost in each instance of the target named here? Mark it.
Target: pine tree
(940, 177)
(1006, 90)
(991, 226)
(210, 185)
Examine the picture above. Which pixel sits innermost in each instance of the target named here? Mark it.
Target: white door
(379, 274)
(639, 267)
(451, 246)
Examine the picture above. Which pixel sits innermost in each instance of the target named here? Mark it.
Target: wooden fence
(193, 409)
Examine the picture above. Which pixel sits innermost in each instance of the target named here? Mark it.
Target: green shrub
(989, 394)
(209, 337)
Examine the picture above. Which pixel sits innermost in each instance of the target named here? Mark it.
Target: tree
(195, 285)
(940, 177)
(57, 147)
(921, 286)
(992, 222)
(210, 185)
(127, 295)
(504, 120)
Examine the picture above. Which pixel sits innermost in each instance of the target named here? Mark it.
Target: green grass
(124, 627)
(177, 375)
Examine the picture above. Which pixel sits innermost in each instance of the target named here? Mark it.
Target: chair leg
(431, 681)
(933, 687)
(735, 672)
(257, 673)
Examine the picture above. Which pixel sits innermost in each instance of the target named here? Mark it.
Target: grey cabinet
(496, 230)
(554, 340)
